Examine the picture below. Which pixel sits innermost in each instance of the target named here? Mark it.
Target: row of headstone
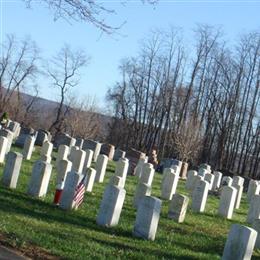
(64, 139)
(241, 240)
(231, 190)
(205, 181)
(79, 161)
(73, 164)
(39, 180)
(148, 208)
(144, 187)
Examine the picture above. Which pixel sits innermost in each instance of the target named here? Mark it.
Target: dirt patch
(27, 250)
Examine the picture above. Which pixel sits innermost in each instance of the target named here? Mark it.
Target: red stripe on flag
(79, 193)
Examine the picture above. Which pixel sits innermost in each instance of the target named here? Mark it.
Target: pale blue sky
(106, 52)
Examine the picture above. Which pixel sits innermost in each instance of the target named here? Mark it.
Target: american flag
(80, 191)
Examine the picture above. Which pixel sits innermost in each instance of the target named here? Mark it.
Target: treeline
(199, 104)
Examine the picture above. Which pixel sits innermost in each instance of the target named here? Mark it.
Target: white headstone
(101, 166)
(78, 159)
(63, 152)
(254, 209)
(139, 167)
(240, 189)
(210, 179)
(141, 190)
(47, 148)
(217, 180)
(169, 183)
(40, 178)
(12, 169)
(3, 148)
(256, 227)
(46, 151)
(226, 181)
(227, 202)
(190, 179)
(10, 136)
(205, 166)
(73, 141)
(199, 196)
(147, 174)
(116, 181)
(15, 128)
(79, 142)
(72, 152)
(177, 169)
(122, 168)
(97, 151)
(196, 179)
(67, 197)
(202, 172)
(88, 159)
(240, 243)
(46, 158)
(111, 206)
(238, 180)
(147, 218)
(253, 189)
(63, 168)
(178, 207)
(91, 174)
(28, 147)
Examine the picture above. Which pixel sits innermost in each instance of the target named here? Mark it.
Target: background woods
(199, 107)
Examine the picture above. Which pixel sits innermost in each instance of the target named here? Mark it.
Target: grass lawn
(36, 225)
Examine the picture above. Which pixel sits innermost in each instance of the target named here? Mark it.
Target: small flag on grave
(80, 191)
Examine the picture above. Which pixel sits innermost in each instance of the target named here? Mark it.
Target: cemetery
(61, 202)
(129, 129)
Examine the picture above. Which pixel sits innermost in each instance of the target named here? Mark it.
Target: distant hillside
(46, 109)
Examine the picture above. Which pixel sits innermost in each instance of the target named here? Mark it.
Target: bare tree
(88, 11)
(64, 69)
(210, 116)
(18, 68)
(83, 119)
(188, 141)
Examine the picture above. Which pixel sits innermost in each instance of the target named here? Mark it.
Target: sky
(106, 51)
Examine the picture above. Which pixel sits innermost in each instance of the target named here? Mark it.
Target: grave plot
(28, 222)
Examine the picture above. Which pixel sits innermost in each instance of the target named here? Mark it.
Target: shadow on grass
(30, 207)
(206, 243)
(241, 213)
(145, 251)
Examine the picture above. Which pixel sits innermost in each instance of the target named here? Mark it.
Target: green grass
(26, 221)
